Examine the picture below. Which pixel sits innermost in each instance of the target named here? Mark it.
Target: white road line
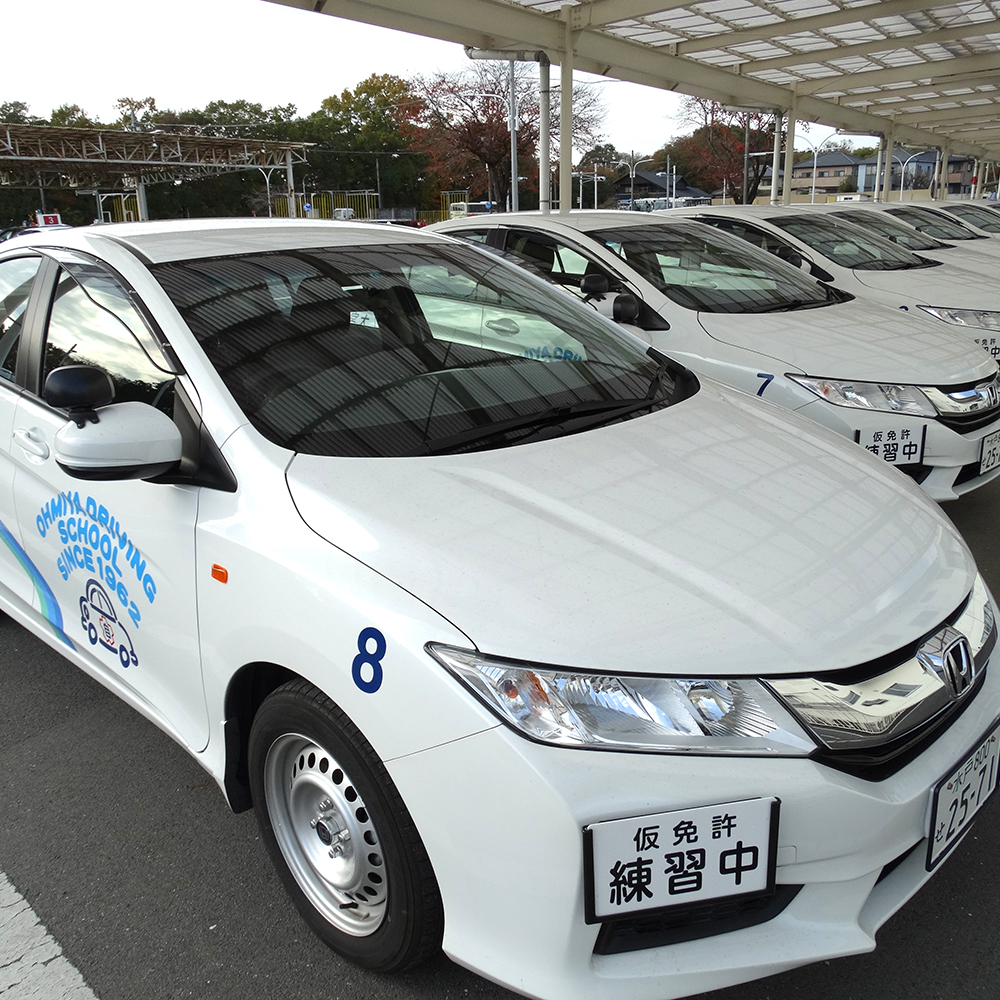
(32, 965)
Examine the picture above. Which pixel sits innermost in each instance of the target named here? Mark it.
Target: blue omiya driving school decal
(365, 658)
(47, 600)
(95, 541)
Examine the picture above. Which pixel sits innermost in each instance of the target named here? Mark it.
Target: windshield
(890, 229)
(712, 272)
(408, 350)
(847, 245)
(932, 223)
(983, 218)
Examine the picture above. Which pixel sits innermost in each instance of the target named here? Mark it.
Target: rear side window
(16, 277)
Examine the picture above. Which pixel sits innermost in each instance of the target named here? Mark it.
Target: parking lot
(127, 853)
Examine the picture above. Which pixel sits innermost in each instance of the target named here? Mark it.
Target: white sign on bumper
(675, 858)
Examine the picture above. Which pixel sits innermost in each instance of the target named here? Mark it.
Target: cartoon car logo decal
(46, 599)
(99, 621)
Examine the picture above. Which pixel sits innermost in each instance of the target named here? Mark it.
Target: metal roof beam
(493, 24)
(937, 69)
(963, 115)
(602, 12)
(889, 44)
(796, 25)
(934, 91)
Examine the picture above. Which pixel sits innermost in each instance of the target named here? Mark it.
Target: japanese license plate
(959, 795)
(675, 858)
(989, 457)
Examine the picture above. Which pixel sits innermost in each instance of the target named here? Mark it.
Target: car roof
(585, 220)
(190, 239)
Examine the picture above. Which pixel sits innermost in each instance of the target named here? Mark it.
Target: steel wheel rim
(326, 835)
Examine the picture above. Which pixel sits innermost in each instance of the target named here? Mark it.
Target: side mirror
(625, 308)
(594, 284)
(130, 441)
(790, 255)
(80, 389)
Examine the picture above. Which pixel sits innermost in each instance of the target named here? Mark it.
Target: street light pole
(632, 163)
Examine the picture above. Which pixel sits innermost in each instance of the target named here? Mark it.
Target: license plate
(960, 795)
(686, 856)
(989, 457)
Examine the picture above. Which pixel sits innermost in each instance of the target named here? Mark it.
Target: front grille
(880, 741)
(970, 421)
(689, 923)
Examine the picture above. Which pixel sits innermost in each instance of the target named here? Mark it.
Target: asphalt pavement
(125, 850)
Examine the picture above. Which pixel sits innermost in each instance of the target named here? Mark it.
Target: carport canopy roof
(928, 74)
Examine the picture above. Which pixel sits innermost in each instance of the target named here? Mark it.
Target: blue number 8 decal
(373, 660)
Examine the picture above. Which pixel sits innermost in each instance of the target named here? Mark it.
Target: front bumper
(502, 820)
(950, 465)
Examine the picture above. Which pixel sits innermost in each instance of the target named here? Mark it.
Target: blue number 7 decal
(768, 379)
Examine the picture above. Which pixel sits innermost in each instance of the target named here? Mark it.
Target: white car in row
(566, 662)
(865, 265)
(915, 392)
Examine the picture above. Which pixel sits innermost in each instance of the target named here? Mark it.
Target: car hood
(718, 536)
(856, 340)
(947, 285)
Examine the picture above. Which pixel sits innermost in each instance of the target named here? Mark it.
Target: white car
(971, 246)
(979, 217)
(861, 263)
(880, 222)
(567, 663)
(915, 392)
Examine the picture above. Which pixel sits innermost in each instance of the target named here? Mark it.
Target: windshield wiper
(590, 414)
(790, 305)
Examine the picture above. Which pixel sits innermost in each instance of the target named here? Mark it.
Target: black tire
(339, 835)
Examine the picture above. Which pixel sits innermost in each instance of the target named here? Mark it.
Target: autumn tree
(711, 157)
(464, 128)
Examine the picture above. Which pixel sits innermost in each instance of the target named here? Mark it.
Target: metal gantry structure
(110, 160)
(905, 71)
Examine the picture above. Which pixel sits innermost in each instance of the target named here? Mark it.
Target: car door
(118, 556)
(18, 576)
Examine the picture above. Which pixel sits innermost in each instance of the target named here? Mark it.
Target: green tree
(363, 141)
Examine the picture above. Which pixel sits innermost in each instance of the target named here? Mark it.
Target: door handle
(29, 441)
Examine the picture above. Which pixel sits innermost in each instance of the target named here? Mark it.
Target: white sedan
(564, 661)
(919, 394)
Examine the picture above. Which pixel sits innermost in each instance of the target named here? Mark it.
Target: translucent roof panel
(818, 55)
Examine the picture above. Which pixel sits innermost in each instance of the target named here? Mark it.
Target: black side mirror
(594, 284)
(790, 255)
(79, 389)
(625, 308)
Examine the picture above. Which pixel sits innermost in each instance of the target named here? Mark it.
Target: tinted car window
(16, 277)
(93, 322)
(932, 224)
(983, 218)
(848, 245)
(405, 350)
(706, 271)
(890, 229)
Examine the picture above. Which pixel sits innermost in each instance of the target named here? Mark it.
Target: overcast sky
(186, 53)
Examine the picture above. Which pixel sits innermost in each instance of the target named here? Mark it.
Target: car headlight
(870, 395)
(981, 319)
(629, 712)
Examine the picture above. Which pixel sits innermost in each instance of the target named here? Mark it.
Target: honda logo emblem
(948, 655)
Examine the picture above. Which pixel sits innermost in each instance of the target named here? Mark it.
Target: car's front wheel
(339, 834)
